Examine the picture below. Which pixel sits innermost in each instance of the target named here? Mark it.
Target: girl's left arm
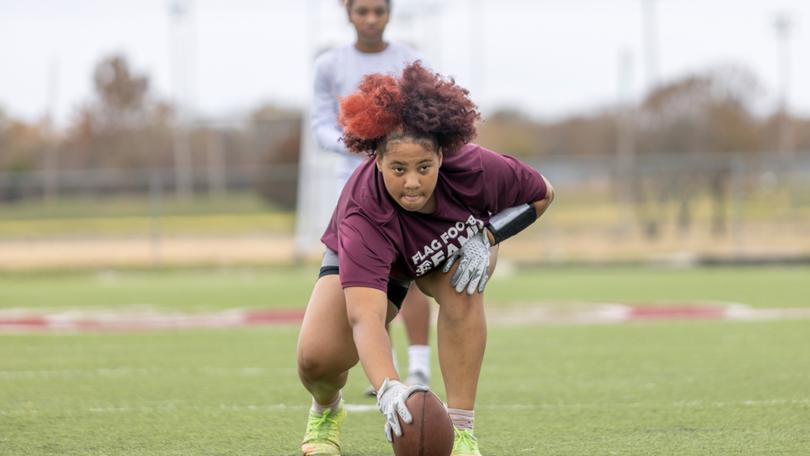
(513, 220)
(540, 206)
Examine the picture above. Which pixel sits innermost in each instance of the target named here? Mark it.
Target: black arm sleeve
(511, 221)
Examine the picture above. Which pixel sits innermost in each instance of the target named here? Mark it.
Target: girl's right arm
(367, 309)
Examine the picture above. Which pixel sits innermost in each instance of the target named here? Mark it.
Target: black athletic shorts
(397, 288)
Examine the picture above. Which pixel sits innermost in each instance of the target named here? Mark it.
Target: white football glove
(473, 270)
(391, 399)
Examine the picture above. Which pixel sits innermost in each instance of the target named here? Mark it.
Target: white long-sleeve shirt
(338, 72)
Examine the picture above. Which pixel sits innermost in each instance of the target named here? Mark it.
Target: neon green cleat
(465, 443)
(323, 432)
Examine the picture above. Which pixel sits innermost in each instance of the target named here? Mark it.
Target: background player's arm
(324, 116)
(367, 310)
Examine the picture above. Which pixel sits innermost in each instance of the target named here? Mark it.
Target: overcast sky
(547, 57)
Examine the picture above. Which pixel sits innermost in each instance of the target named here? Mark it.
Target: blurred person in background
(338, 72)
(425, 207)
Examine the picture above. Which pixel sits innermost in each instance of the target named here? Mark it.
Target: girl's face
(369, 18)
(410, 171)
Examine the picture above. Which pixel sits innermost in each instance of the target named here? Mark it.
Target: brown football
(431, 431)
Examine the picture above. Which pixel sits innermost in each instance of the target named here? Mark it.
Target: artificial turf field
(643, 388)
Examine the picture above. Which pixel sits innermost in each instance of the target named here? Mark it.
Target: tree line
(125, 128)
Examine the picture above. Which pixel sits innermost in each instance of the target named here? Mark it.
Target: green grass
(686, 388)
(638, 389)
(776, 286)
(593, 208)
(206, 290)
(108, 206)
(186, 225)
(237, 214)
(171, 289)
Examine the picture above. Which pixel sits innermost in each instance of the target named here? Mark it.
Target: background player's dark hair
(349, 4)
(419, 104)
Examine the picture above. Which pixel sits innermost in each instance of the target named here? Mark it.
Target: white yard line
(27, 320)
(173, 406)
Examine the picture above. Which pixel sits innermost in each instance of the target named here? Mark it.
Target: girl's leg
(462, 335)
(326, 349)
(415, 315)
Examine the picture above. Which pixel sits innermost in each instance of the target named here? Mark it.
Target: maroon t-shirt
(375, 237)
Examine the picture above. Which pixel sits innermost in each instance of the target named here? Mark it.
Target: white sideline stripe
(118, 372)
(107, 320)
(520, 314)
(360, 408)
(676, 404)
(172, 406)
(608, 313)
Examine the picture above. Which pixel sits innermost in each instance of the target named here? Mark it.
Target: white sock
(462, 419)
(419, 359)
(332, 405)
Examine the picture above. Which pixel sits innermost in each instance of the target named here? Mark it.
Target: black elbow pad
(511, 221)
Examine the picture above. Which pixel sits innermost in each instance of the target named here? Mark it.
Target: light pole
(181, 147)
(650, 31)
(626, 141)
(51, 165)
(477, 47)
(783, 25)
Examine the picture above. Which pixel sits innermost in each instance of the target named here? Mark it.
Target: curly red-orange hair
(419, 104)
(371, 112)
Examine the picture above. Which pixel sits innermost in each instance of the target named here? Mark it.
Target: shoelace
(465, 440)
(323, 431)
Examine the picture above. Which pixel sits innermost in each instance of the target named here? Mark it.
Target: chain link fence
(671, 208)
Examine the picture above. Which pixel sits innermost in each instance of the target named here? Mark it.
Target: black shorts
(397, 288)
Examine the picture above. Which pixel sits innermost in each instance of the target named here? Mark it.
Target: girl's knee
(459, 306)
(312, 364)
(317, 362)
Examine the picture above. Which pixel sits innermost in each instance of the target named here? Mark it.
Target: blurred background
(157, 132)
